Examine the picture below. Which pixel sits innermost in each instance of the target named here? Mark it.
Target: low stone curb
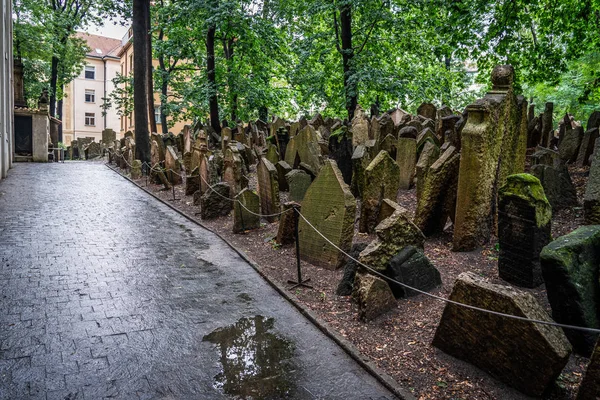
(348, 347)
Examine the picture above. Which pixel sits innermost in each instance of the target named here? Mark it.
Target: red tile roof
(100, 46)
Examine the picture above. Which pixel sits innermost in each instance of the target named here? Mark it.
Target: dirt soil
(399, 342)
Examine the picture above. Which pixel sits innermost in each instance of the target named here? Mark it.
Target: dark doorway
(23, 135)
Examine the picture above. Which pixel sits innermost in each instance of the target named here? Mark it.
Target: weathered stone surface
(570, 267)
(244, 220)
(233, 170)
(406, 158)
(360, 127)
(268, 189)
(524, 355)
(570, 143)
(388, 207)
(557, 184)
(204, 174)
(514, 143)
(524, 222)
(411, 267)
(427, 110)
(192, 182)
(298, 182)
(590, 385)
(108, 136)
(437, 200)
(330, 207)
(360, 162)
(173, 166)
(283, 169)
(388, 144)
(393, 234)
(272, 154)
(408, 132)
(429, 155)
(373, 296)
(545, 156)
(591, 199)
(346, 284)
(136, 169)
(426, 135)
(340, 149)
(286, 233)
(213, 203)
(547, 125)
(586, 149)
(382, 180)
(304, 148)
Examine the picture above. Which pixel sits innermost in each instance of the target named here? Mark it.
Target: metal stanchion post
(299, 282)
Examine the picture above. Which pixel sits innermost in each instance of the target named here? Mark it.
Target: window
(157, 114)
(130, 63)
(90, 96)
(90, 72)
(90, 119)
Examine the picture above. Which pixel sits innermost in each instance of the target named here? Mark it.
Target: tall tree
(141, 9)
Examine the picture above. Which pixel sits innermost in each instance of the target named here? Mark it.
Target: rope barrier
(379, 274)
(497, 313)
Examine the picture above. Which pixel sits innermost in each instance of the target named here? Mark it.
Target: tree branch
(337, 31)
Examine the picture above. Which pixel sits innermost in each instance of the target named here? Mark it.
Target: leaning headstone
(570, 267)
(298, 182)
(286, 232)
(330, 208)
(382, 180)
(429, 155)
(387, 208)
(437, 199)
(393, 234)
(591, 199)
(283, 169)
(268, 189)
(213, 203)
(590, 385)
(346, 284)
(411, 267)
(586, 149)
(524, 222)
(406, 158)
(522, 354)
(360, 162)
(373, 296)
(360, 127)
(245, 211)
(173, 166)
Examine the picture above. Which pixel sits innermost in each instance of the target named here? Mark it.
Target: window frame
(89, 69)
(90, 119)
(92, 94)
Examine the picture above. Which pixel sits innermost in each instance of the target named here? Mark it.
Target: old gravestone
(298, 182)
(393, 234)
(286, 232)
(268, 189)
(586, 149)
(214, 202)
(360, 162)
(524, 355)
(524, 222)
(568, 148)
(437, 200)
(411, 267)
(330, 207)
(192, 182)
(172, 166)
(382, 180)
(246, 217)
(108, 136)
(547, 125)
(346, 284)
(570, 267)
(304, 148)
(373, 296)
(136, 169)
(283, 169)
(272, 153)
(429, 155)
(555, 179)
(340, 149)
(406, 158)
(233, 170)
(590, 385)
(360, 127)
(491, 147)
(427, 110)
(591, 199)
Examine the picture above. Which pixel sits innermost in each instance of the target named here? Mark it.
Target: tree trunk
(53, 85)
(212, 81)
(149, 67)
(140, 81)
(350, 86)
(164, 88)
(59, 115)
(233, 97)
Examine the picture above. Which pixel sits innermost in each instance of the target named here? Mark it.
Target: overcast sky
(109, 29)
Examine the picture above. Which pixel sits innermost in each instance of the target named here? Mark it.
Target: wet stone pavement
(107, 293)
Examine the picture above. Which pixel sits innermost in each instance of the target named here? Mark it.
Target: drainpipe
(105, 111)
(73, 116)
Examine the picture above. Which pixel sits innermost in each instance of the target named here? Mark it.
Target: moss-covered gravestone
(591, 200)
(590, 386)
(214, 203)
(570, 267)
(382, 181)
(272, 153)
(360, 127)
(438, 193)
(524, 355)
(360, 162)
(393, 234)
(429, 155)
(406, 158)
(233, 170)
(268, 189)
(304, 148)
(524, 222)
(373, 296)
(330, 207)
(283, 169)
(244, 220)
(204, 174)
(298, 182)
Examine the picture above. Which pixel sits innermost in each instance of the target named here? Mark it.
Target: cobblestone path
(107, 293)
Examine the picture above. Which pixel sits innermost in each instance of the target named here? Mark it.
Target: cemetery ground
(399, 342)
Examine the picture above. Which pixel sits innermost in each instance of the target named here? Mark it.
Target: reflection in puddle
(255, 362)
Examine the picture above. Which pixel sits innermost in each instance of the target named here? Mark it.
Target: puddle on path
(255, 363)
